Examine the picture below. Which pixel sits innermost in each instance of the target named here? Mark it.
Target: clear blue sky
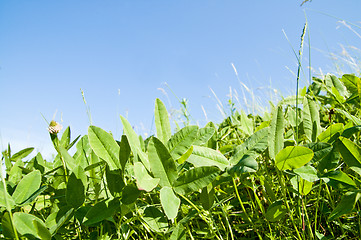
(121, 52)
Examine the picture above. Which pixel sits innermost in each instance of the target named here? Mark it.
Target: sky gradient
(125, 54)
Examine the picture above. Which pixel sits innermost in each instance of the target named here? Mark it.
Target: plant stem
(244, 209)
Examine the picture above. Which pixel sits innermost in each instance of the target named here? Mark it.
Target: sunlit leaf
(162, 123)
(293, 157)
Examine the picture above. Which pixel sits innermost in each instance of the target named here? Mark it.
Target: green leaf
(347, 133)
(161, 162)
(42, 230)
(27, 186)
(7, 226)
(181, 141)
(162, 123)
(134, 143)
(16, 172)
(69, 160)
(195, 179)
(178, 233)
(293, 157)
(276, 211)
(24, 224)
(331, 133)
(351, 154)
(311, 119)
(247, 124)
(104, 146)
(124, 152)
(130, 194)
(65, 138)
(5, 196)
(155, 219)
(353, 118)
(203, 156)
(75, 191)
(115, 182)
(253, 146)
(204, 134)
(185, 156)
(301, 185)
(21, 154)
(308, 173)
(350, 82)
(101, 211)
(276, 130)
(207, 196)
(346, 205)
(338, 180)
(144, 180)
(247, 164)
(170, 202)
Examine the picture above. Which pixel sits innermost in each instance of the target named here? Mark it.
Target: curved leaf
(351, 154)
(170, 202)
(162, 123)
(276, 130)
(293, 157)
(27, 186)
(203, 156)
(195, 179)
(104, 146)
(181, 141)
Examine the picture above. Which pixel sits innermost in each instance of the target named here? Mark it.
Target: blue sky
(121, 53)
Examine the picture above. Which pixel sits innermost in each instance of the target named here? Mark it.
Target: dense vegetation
(293, 173)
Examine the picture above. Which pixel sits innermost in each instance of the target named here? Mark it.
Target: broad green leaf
(350, 82)
(354, 119)
(333, 81)
(330, 161)
(338, 180)
(346, 205)
(203, 156)
(124, 152)
(276, 130)
(42, 231)
(195, 179)
(155, 219)
(185, 156)
(331, 133)
(247, 124)
(253, 146)
(308, 173)
(351, 154)
(104, 146)
(320, 150)
(161, 162)
(24, 224)
(162, 123)
(16, 172)
(178, 233)
(144, 180)
(247, 164)
(5, 197)
(65, 138)
(56, 219)
(34, 195)
(75, 191)
(7, 226)
(301, 185)
(27, 186)
(134, 142)
(293, 157)
(101, 211)
(181, 141)
(21, 154)
(69, 160)
(207, 196)
(347, 133)
(115, 182)
(291, 100)
(130, 194)
(204, 134)
(311, 119)
(276, 211)
(170, 202)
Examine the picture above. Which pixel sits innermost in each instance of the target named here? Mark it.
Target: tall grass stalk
(86, 107)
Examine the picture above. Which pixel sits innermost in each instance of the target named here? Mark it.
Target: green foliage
(292, 173)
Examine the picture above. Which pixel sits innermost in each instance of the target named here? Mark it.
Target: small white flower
(54, 127)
